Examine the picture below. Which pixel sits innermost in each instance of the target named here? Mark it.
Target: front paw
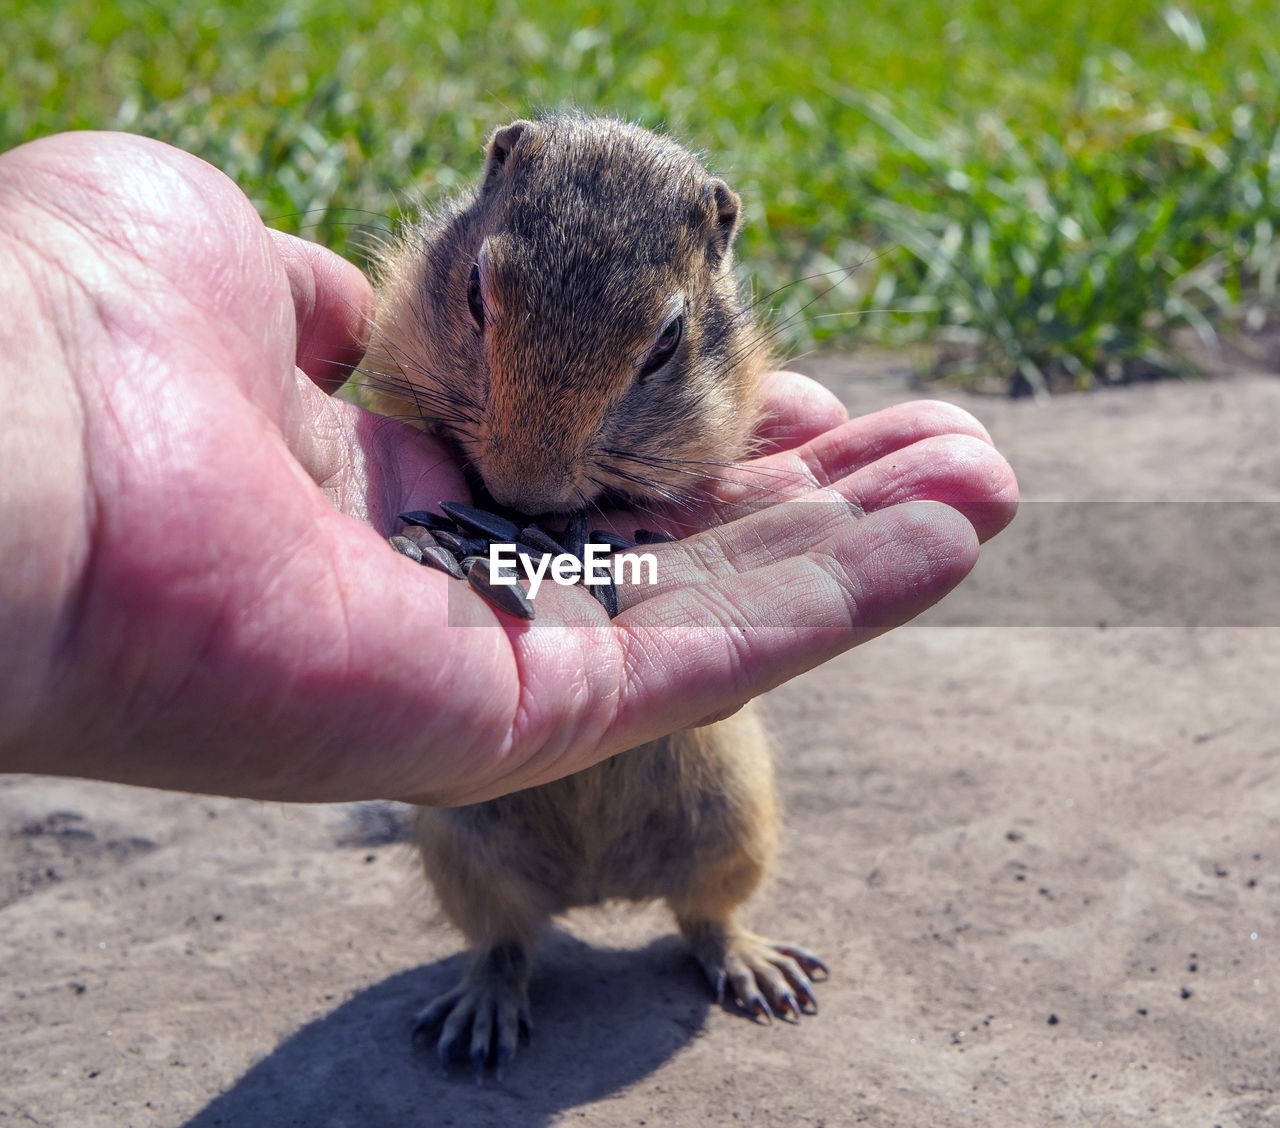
(765, 978)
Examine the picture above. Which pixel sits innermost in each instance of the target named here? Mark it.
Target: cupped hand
(195, 587)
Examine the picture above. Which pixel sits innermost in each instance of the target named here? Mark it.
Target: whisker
(743, 467)
(843, 271)
(764, 335)
(676, 466)
(650, 487)
(703, 476)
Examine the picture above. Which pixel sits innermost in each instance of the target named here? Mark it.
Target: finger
(919, 451)
(957, 470)
(837, 453)
(737, 636)
(833, 455)
(796, 409)
(377, 467)
(333, 302)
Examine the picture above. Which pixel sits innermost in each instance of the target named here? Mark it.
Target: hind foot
(765, 978)
(484, 1017)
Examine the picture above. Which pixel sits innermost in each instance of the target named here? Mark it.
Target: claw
(808, 1001)
(766, 980)
(434, 1013)
(798, 982)
(793, 1008)
(755, 1005)
(505, 1054)
(483, 1019)
(805, 958)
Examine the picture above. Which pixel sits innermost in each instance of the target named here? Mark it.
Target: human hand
(195, 588)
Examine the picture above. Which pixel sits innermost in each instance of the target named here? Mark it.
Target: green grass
(1048, 191)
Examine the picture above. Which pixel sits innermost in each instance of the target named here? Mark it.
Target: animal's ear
(724, 227)
(501, 145)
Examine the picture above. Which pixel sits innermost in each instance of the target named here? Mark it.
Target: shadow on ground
(619, 1015)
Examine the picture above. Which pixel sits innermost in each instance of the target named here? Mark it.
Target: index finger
(334, 306)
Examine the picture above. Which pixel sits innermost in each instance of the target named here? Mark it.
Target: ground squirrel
(574, 329)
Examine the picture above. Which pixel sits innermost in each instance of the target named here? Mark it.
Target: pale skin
(195, 587)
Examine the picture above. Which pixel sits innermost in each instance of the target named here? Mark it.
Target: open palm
(196, 588)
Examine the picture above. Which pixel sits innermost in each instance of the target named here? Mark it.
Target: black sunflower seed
(575, 535)
(460, 544)
(426, 520)
(510, 598)
(615, 542)
(406, 547)
(442, 558)
(535, 536)
(481, 521)
(529, 559)
(420, 535)
(607, 594)
(648, 536)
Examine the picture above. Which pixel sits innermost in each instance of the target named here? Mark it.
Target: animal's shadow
(602, 1020)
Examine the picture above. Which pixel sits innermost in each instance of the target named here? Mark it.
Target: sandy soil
(1042, 858)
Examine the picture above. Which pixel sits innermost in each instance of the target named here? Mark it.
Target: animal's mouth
(606, 498)
(483, 499)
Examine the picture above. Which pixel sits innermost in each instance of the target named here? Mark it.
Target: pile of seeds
(459, 543)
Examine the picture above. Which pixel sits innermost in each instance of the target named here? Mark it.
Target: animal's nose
(537, 498)
(532, 456)
(531, 486)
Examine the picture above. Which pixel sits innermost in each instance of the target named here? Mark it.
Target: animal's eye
(475, 300)
(664, 348)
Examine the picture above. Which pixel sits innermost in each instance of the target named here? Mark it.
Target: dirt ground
(1038, 842)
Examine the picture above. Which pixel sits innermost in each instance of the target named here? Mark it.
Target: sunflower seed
(460, 544)
(406, 547)
(510, 598)
(529, 559)
(442, 558)
(648, 536)
(575, 535)
(426, 520)
(607, 594)
(491, 525)
(535, 536)
(419, 535)
(615, 542)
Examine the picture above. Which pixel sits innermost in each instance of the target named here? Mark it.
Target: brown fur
(587, 230)
(587, 234)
